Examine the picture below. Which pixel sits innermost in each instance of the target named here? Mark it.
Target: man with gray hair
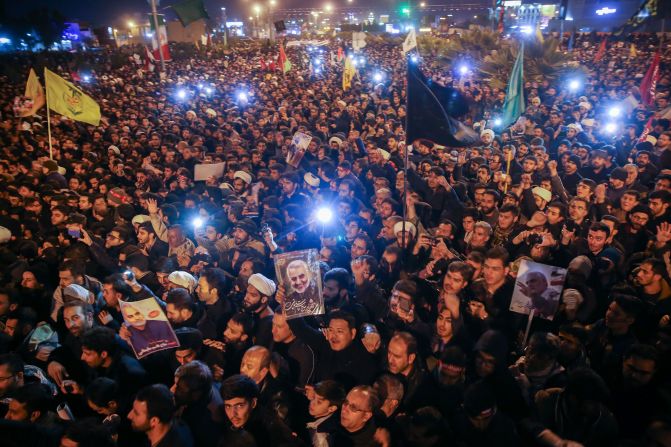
(304, 299)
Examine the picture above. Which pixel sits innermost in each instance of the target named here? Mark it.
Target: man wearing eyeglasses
(358, 427)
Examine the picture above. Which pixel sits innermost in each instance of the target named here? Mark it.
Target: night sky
(107, 12)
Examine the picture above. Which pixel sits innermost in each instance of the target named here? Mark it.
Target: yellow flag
(632, 51)
(64, 98)
(35, 93)
(348, 73)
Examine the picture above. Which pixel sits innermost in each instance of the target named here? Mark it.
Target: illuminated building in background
(581, 15)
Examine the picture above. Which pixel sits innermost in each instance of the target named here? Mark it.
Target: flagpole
(505, 185)
(154, 13)
(405, 161)
(661, 38)
(46, 95)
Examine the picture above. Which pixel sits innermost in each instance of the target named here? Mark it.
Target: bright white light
(200, 86)
(242, 96)
(614, 112)
(362, 60)
(324, 215)
(4, 40)
(317, 62)
(354, 63)
(197, 222)
(318, 70)
(463, 69)
(497, 121)
(377, 77)
(605, 11)
(86, 78)
(526, 30)
(181, 94)
(208, 90)
(611, 127)
(574, 85)
(414, 58)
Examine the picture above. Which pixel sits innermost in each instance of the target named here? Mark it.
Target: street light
(271, 29)
(328, 7)
(422, 5)
(131, 24)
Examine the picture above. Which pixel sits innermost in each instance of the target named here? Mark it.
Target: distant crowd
(419, 265)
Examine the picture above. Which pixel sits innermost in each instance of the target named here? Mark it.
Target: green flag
(190, 10)
(514, 104)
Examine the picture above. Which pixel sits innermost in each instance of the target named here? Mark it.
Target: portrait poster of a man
(148, 326)
(298, 272)
(538, 287)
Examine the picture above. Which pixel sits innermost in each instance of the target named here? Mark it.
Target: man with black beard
(200, 402)
(34, 291)
(489, 207)
(634, 236)
(450, 376)
(260, 291)
(237, 339)
(638, 395)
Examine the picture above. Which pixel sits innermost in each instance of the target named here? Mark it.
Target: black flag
(432, 109)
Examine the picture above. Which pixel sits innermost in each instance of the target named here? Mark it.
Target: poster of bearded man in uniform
(298, 272)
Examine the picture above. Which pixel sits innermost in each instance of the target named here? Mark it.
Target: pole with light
(223, 14)
(257, 14)
(271, 26)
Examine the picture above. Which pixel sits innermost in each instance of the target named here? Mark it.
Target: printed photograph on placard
(298, 272)
(149, 328)
(299, 144)
(539, 287)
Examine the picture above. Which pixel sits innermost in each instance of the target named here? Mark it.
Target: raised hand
(663, 233)
(552, 167)
(152, 206)
(86, 238)
(280, 294)
(600, 193)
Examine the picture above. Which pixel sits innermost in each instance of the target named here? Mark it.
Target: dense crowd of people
(417, 345)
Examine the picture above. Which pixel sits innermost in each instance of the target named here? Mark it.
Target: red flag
(501, 17)
(646, 130)
(341, 55)
(159, 41)
(75, 76)
(264, 66)
(649, 82)
(282, 60)
(602, 50)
